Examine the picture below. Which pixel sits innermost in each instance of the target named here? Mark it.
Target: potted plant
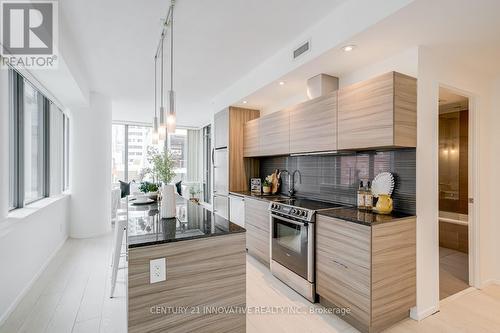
(150, 189)
(162, 171)
(194, 190)
(266, 184)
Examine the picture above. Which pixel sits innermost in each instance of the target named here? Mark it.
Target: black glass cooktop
(308, 204)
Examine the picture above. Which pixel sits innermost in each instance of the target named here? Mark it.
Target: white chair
(115, 202)
(120, 227)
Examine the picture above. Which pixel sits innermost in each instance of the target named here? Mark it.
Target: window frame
(17, 194)
(66, 163)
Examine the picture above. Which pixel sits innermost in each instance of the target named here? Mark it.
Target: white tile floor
(72, 295)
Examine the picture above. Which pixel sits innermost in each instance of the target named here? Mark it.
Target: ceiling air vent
(303, 48)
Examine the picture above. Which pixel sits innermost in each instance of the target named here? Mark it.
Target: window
(36, 144)
(129, 151)
(130, 143)
(177, 144)
(118, 153)
(10, 80)
(65, 152)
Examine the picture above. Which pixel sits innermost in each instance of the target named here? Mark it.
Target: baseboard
(27, 288)
(419, 315)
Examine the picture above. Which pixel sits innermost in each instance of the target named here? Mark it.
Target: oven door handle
(288, 220)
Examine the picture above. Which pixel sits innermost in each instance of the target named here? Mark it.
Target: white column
(90, 173)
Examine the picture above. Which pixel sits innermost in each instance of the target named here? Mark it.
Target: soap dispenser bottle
(368, 197)
(361, 196)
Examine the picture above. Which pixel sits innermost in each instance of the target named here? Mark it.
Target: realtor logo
(29, 33)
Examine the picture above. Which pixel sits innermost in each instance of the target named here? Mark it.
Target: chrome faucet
(291, 181)
(291, 187)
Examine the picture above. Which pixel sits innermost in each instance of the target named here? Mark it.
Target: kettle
(384, 204)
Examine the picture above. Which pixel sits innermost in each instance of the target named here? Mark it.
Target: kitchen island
(204, 289)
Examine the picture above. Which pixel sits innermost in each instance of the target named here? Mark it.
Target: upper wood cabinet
(380, 112)
(313, 125)
(274, 133)
(251, 138)
(240, 169)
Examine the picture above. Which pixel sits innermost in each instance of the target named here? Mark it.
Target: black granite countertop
(353, 214)
(145, 227)
(258, 196)
(347, 213)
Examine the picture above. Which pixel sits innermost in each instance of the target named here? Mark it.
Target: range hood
(321, 84)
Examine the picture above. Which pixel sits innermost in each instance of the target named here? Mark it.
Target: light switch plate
(157, 270)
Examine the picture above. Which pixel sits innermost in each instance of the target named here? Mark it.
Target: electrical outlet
(157, 270)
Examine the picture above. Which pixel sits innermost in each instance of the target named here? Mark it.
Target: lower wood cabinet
(200, 274)
(369, 269)
(257, 225)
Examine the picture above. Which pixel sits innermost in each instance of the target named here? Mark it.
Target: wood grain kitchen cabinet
(369, 269)
(241, 169)
(257, 226)
(251, 137)
(208, 272)
(275, 134)
(380, 112)
(313, 125)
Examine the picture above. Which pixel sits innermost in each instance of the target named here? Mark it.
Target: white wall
(494, 165)
(347, 20)
(405, 62)
(28, 241)
(30, 236)
(436, 68)
(90, 174)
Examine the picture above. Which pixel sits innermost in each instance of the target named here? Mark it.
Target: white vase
(168, 201)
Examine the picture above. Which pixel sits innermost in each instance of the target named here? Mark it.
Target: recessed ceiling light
(348, 48)
(282, 83)
(244, 102)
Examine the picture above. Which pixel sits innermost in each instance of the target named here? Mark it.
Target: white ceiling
(466, 30)
(217, 42)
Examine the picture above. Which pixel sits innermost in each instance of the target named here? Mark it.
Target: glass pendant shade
(155, 131)
(162, 133)
(171, 116)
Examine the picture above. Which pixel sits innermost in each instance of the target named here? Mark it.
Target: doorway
(454, 166)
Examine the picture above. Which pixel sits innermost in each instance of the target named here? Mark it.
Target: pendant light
(163, 113)
(171, 116)
(155, 118)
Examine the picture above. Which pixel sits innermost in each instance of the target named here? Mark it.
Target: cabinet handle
(339, 263)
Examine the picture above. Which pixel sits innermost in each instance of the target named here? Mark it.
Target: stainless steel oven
(292, 248)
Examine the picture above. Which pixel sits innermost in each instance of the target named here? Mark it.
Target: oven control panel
(295, 212)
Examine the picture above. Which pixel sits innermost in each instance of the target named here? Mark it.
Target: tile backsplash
(335, 178)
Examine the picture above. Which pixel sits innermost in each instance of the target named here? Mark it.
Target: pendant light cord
(161, 84)
(172, 46)
(156, 58)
